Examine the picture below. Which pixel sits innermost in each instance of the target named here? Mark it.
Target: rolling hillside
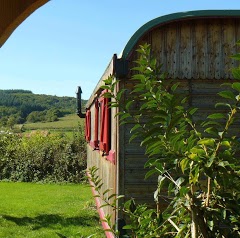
(20, 106)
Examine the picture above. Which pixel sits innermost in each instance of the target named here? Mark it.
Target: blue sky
(67, 43)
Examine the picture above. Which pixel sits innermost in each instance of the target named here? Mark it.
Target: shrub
(197, 162)
(41, 156)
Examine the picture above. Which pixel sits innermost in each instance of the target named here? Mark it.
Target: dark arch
(13, 13)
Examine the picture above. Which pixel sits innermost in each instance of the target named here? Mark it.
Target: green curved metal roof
(173, 17)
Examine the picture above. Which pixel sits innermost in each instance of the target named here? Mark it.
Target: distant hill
(19, 106)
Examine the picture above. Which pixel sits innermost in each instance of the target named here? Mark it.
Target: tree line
(20, 106)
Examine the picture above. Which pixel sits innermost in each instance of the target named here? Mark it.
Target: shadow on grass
(51, 220)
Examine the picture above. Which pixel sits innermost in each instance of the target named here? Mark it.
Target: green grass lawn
(67, 122)
(30, 210)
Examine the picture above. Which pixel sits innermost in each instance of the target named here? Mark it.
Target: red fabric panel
(104, 144)
(96, 142)
(88, 125)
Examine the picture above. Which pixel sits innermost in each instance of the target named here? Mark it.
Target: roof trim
(173, 17)
(19, 19)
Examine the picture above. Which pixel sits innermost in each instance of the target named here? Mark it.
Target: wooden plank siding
(95, 157)
(196, 53)
(106, 172)
(194, 49)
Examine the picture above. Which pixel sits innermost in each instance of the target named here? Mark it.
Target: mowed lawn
(30, 210)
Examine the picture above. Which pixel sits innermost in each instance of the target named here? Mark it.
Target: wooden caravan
(195, 49)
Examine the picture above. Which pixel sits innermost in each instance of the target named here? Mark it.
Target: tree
(11, 121)
(197, 163)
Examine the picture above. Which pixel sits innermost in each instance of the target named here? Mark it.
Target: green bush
(197, 163)
(41, 156)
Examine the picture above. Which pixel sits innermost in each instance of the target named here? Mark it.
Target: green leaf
(136, 126)
(198, 151)
(128, 104)
(223, 164)
(192, 111)
(124, 116)
(212, 131)
(105, 87)
(224, 213)
(236, 56)
(119, 94)
(212, 123)
(226, 85)
(140, 77)
(210, 161)
(236, 86)
(106, 191)
(170, 188)
(183, 191)
(226, 143)
(216, 116)
(222, 105)
(210, 225)
(236, 73)
(194, 175)
(184, 164)
(133, 137)
(151, 162)
(161, 179)
(111, 196)
(150, 173)
(107, 95)
(174, 86)
(104, 205)
(193, 156)
(207, 141)
(227, 94)
(128, 227)
(179, 181)
(155, 195)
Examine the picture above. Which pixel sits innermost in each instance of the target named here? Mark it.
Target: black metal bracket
(120, 67)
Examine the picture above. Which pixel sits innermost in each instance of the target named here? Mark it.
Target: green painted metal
(174, 17)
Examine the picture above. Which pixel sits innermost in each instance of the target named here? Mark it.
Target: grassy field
(47, 211)
(67, 125)
(67, 122)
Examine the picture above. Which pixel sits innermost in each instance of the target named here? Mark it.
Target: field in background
(66, 124)
(47, 211)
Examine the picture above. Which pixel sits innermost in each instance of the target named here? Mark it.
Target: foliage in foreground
(198, 163)
(42, 156)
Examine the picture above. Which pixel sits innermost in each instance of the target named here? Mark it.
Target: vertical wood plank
(171, 35)
(200, 48)
(185, 50)
(214, 49)
(227, 45)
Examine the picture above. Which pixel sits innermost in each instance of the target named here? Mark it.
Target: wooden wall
(107, 168)
(106, 172)
(195, 48)
(196, 53)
